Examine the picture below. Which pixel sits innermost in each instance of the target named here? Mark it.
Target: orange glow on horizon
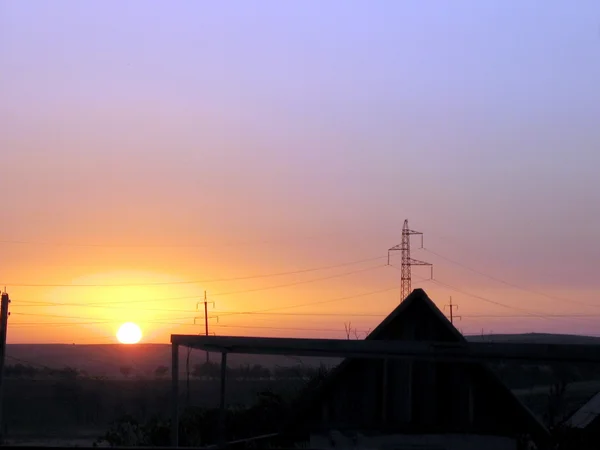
(165, 302)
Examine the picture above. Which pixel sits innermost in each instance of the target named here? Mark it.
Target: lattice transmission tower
(407, 261)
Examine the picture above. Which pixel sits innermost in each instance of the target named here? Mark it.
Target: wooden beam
(412, 350)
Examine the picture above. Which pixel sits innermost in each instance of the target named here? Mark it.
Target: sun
(129, 333)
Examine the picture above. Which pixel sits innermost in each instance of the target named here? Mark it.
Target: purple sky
(316, 126)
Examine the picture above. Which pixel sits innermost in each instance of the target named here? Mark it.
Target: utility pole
(407, 261)
(206, 318)
(189, 350)
(3, 328)
(451, 307)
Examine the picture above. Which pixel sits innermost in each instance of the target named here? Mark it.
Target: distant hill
(537, 338)
(106, 360)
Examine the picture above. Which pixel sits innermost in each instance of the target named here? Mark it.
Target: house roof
(418, 296)
(585, 415)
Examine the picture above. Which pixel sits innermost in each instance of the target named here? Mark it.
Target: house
(402, 404)
(582, 429)
(587, 417)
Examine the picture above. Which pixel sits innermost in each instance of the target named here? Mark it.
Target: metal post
(206, 325)
(174, 395)
(222, 403)
(3, 329)
(187, 377)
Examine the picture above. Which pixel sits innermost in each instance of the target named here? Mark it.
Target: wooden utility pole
(3, 328)
(189, 349)
(451, 307)
(206, 302)
(206, 321)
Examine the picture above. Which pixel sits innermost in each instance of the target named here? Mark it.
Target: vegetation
(523, 376)
(200, 426)
(23, 371)
(70, 402)
(133, 409)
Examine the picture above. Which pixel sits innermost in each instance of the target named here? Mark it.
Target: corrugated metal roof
(586, 414)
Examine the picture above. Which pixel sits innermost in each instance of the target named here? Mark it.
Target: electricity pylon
(407, 261)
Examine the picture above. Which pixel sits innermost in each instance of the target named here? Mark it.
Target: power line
(232, 313)
(497, 303)
(190, 245)
(228, 313)
(300, 305)
(60, 316)
(102, 304)
(216, 280)
(112, 302)
(329, 330)
(83, 305)
(34, 303)
(471, 316)
(57, 324)
(314, 280)
(487, 300)
(513, 285)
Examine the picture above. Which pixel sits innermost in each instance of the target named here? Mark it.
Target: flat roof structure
(374, 347)
(422, 350)
(463, 352)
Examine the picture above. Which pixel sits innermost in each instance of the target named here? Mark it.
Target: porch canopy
(378, 349)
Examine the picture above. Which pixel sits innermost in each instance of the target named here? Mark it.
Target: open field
(82, 406)
(56, 408)
(537, 338)
(577, 394)
(143, 359)
(107, 360)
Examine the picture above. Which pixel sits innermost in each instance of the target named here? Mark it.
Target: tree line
(28, 371)
(212, 370)
(208, 370)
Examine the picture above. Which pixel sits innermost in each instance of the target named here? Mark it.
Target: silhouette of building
(370, 403)
(588, 416)
(581, 431)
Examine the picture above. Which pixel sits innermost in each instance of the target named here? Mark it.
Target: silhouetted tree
(161, 371)
(69, 373)
(208, 369)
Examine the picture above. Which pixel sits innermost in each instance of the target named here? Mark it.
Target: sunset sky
(161, 146)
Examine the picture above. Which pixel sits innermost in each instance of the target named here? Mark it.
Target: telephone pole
(3, 329)
(407, 261)
(451, 307)
(205, 318)
(189, 350)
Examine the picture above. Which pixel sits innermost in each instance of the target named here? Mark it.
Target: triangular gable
(416, 296)
(390, 325)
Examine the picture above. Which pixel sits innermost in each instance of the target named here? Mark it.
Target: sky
(268, 153)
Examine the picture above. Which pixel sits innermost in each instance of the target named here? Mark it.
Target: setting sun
(129, 333)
